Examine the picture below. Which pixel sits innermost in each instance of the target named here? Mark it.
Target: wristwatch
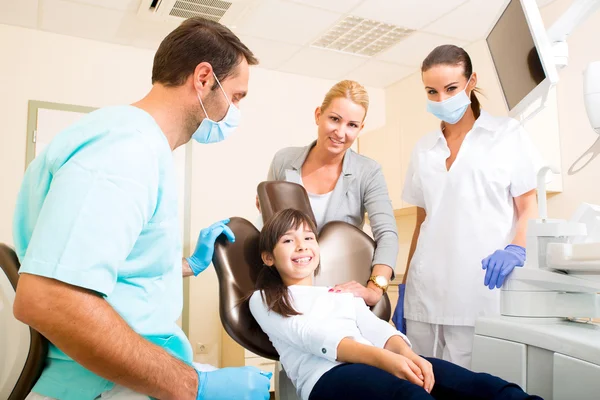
(380, 281)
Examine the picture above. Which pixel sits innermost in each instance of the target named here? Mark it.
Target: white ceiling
(279, 32)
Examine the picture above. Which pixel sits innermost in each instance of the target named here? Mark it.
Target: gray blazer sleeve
(276, 169)
(381, 216)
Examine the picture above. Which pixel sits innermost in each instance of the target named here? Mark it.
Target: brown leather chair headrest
(275, 196)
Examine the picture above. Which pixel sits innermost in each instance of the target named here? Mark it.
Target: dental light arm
(578, 12)
(541, 190)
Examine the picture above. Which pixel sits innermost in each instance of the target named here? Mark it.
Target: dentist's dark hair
(195, 41)
(449, 54)
(272, 289)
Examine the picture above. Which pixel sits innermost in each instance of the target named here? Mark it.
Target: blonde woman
(341, 184)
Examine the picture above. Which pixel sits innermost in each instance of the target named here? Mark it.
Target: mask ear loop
(202, 105)
(467, 85)
(222, 90)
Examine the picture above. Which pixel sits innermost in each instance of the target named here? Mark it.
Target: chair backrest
(22, 349)
(238, 265)
(351, 264)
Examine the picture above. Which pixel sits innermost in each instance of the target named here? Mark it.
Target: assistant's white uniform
(470, 214)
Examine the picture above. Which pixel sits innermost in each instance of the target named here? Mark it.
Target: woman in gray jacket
(342, 185)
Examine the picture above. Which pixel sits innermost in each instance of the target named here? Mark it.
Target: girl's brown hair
(449, 54)
(272, 289)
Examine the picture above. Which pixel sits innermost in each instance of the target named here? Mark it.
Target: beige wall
(43, 66)
(277, 113)
(576, 134)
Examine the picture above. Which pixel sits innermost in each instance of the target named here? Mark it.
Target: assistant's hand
(398, 317)
(370, 296)
(245, 383)
(501, 263)
(205, 247)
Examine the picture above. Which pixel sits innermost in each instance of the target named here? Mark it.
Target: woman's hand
(370, 296)
(425, 367)
(402, 367)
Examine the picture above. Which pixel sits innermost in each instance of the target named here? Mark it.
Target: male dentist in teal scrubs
(96, 231)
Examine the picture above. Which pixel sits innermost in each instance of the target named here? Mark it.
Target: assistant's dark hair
(195, 41)
(449, 54)
(273, 291)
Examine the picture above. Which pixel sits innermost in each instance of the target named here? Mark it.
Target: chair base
(284, 389)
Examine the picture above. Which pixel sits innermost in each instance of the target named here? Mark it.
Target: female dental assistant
(473, 183)
(343, 185)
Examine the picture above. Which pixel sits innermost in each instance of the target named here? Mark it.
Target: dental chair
(22, 350)
(346, 255)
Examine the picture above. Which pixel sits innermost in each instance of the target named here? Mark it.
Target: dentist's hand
(245, 383)
(205, 247)
(501, 263)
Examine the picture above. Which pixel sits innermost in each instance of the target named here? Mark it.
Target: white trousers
(120, 392)
(452, 343)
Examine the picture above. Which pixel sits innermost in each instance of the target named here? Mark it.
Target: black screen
(514, 54)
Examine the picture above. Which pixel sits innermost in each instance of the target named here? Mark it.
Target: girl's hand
(425, 367)
(402, 367)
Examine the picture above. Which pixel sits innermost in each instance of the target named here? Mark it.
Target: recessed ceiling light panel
(361, 36)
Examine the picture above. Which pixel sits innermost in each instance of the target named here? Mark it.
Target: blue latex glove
(205, 247)
(501, 263)
(398, 317)
(245, 383)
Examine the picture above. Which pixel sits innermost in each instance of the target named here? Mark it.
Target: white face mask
(210, 131)
(453, 109)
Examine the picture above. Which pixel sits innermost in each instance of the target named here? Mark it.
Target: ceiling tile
(145, 33)
(413, 14)
(123, 5)
(469, 22)
(270, 54)
(340, 6)
(415, 48)
(286, 22)
(320, 63)
(379, 73)
(81, 20)
(21, 12)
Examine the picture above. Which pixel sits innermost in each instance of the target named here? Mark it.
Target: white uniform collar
(485, 121)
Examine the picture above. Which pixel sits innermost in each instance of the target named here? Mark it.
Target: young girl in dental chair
(332, 346)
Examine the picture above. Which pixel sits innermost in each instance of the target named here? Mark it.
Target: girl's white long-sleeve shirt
(307, 343)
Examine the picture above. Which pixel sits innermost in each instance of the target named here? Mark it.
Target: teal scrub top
(98, 209)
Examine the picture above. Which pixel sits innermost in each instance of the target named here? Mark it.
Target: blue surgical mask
(210, 131)
(451, 110)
